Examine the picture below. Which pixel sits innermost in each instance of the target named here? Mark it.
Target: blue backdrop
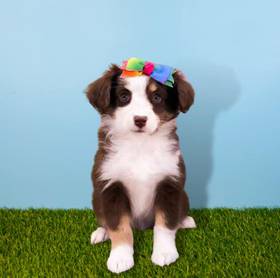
(50, 51)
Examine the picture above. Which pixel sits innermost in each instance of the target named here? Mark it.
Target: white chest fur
(140, 161)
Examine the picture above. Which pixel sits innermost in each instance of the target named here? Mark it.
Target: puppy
(139, 172)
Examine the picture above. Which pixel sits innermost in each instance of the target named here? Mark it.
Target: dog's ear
(184, 91)
(99, 91)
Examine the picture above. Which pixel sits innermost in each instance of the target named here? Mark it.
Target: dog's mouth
(144, 131)
(139, 130)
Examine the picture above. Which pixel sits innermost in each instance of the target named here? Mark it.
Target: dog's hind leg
(188, 223)
(99, 235)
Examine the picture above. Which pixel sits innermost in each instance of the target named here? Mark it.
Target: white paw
(164, 249)
(188, 222)
(164, 257)
(99, 235)
(120, 259)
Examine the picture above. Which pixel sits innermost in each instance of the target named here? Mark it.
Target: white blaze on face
(139, 106)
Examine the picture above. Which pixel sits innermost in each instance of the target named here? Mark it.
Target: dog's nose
(140, 121)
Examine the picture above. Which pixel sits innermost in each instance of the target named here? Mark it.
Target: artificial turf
(55, 243)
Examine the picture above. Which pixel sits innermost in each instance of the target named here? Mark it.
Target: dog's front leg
(116, 209)
(164, 247)
(171, 204)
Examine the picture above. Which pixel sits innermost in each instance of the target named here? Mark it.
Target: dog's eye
(156, 98)
(124, 97)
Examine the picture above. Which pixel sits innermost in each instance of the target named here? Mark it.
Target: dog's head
(138, 104)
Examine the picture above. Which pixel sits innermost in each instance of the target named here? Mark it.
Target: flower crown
(136, 67)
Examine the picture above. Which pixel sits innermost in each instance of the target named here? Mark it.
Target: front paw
(120, 259)
(164, 250)
(164, 257)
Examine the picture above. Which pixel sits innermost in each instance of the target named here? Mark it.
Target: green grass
(55, 243)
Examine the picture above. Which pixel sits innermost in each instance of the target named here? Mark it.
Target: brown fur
(185, 91)
(172, 202)
(122, 234)
(100, 92)
(160, 219)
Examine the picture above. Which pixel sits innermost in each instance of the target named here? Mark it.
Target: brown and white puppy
(139, 172)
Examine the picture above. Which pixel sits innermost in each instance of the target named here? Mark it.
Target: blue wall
(50, 50)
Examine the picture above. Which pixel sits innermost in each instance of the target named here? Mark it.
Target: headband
(136, 67)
